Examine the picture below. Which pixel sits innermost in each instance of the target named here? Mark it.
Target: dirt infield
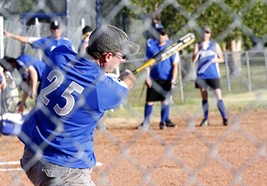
(186, 155)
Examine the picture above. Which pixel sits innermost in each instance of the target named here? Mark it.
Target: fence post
(1, 37)
(181, 81)
(227, 72)
(265, 59)
(248, 72)
(38, 32)
(82, 23)
(98, 15)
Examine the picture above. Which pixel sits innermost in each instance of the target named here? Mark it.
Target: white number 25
(58, 78)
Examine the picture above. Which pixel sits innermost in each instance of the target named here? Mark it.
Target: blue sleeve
(38, 43)
(149, 49)
(110, 93)
(27, 60)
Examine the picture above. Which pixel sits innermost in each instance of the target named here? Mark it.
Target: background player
(48, 43)
(207, 54)
(160, 78)
(76, 92)
(31, 70)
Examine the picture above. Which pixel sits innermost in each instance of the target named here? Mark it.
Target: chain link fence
(187, 155)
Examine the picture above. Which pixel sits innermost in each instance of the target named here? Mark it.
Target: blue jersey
(47, 44)
(162, 70)
(75, 94)
(205, 68)
(27, 61)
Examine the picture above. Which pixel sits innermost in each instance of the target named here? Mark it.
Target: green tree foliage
(19, 6)
(228, 19)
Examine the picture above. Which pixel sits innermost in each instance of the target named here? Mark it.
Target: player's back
(75, 93)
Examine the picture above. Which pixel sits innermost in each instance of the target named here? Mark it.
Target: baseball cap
(6, 61)
(108, 38)
(160, 28)
(54, 25)
(206, 29)
(86, 29)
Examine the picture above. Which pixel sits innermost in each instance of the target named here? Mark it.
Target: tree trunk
(235, 65)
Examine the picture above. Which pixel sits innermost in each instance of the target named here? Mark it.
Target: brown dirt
(186, 155)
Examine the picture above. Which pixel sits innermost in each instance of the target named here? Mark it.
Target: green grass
(233, 102)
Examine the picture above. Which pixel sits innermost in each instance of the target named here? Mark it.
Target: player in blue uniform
(59, 131)
(31, 70)
(48, 43)
(160, 78)
(207, 54)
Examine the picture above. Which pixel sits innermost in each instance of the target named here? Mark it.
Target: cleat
(204, 122)
(169, 123)
(225, 122)
(162, 125)
(143, 126)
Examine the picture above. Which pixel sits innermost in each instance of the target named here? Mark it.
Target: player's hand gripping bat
(167, 52)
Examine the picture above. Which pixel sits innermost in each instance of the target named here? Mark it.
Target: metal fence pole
(98, 15)
(227, 72)
(265, 59)
(38, 32)
(1, 37)
(248, 72)
(67, 16)
(181, 81)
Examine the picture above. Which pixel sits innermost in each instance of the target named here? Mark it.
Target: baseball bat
(168, 51)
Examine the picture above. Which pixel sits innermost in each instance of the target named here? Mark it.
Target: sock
(221, 108)
(205, 107)
(165, 109)
(147, 113)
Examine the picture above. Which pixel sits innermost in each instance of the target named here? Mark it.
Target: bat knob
(134, 72)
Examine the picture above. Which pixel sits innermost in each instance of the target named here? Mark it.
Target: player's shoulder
(65, 39)
(62, 49)
(151, 41)
(212, 42)
(169, 41)
(45, 38)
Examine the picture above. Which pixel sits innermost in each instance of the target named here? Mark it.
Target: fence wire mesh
(187, 154)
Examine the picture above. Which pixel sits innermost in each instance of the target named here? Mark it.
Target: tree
(226, 18)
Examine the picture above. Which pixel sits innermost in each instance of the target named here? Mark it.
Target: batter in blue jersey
(75, 94)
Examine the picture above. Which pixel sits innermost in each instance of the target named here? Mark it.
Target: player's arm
(106, 97)
(34, 80)
(128, 78)
(23, 39)
(148, 55)
(219, 58)
(175, 68)
(195, 54)
(148, 80)
(24, 96)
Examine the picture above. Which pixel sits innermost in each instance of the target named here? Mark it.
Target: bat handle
(134, 72)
